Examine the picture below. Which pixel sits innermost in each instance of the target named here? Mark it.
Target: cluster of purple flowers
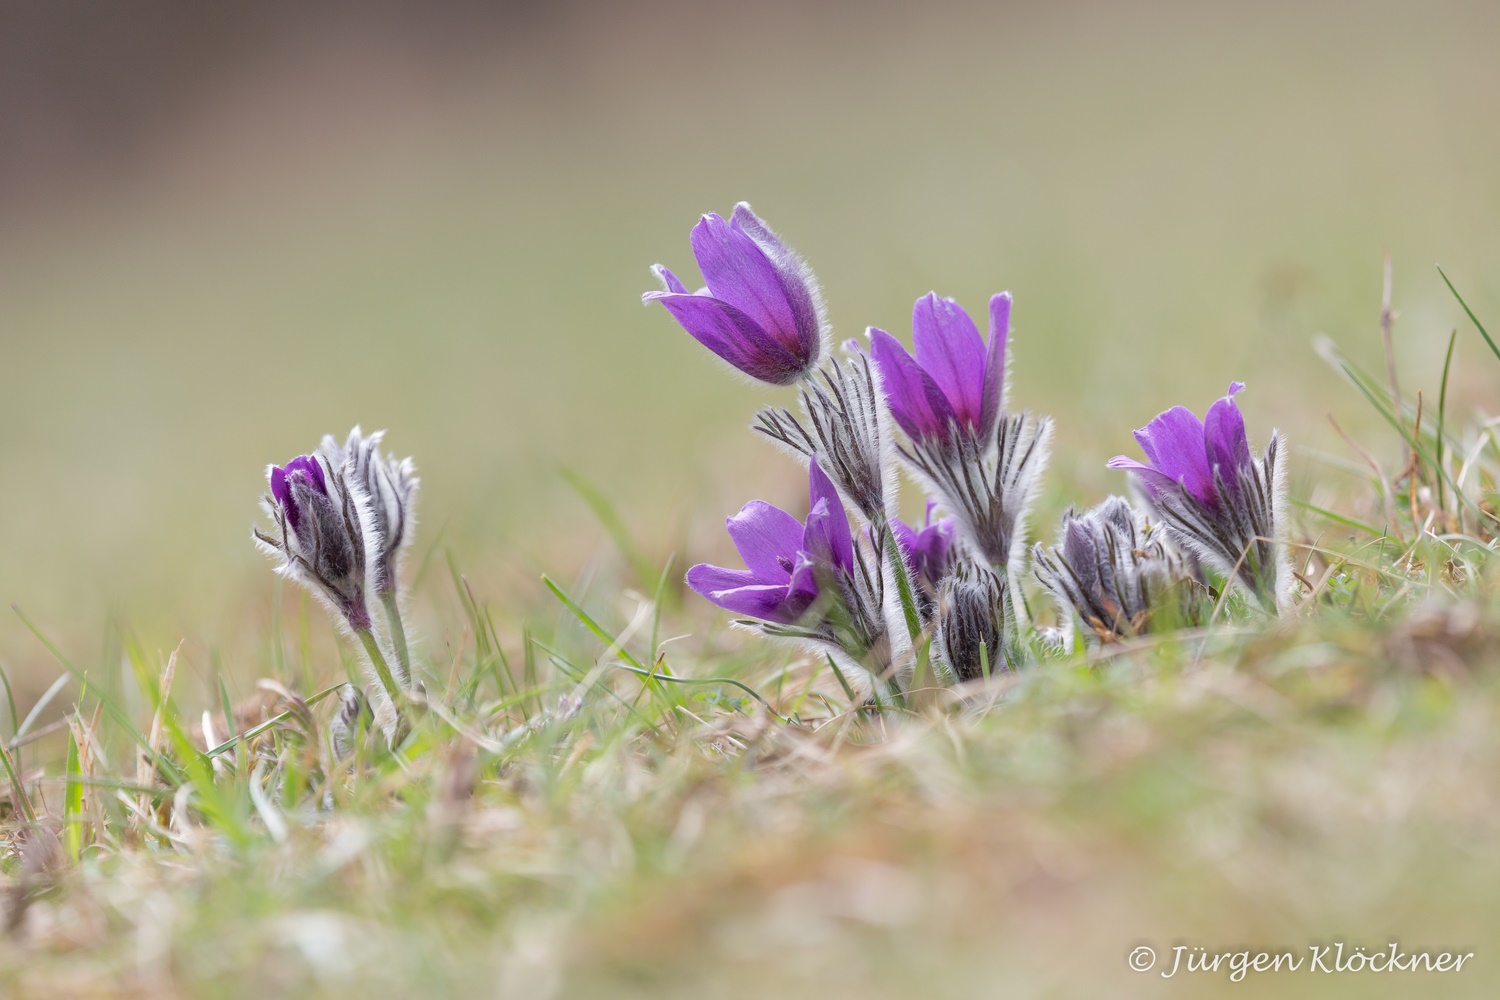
(873, 598)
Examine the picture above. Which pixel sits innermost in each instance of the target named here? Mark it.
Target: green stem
(383, 671)
(398, 633)
(903, 583)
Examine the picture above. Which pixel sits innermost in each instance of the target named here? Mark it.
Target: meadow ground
(449, 241)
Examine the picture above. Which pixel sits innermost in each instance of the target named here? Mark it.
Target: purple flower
(784, 557)
(1216, 499)
(761, 311)
(303, 469)
(318, 536)
(926, 548)
(1184, 453)
(956, 380)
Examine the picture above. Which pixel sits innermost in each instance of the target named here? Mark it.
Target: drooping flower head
(956, 382)
(1116, 572)
(761, 310)
(784, 557)
(807, 581)
(385, 488)
(318, 536)
(983, 462)
(1215, 497)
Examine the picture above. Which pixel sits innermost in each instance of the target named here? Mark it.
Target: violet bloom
(319, 537)
(761, 310)
(927, 550)
(1215, 497)
(805, 581)
(983, 462)
(783, 556)
(956, 381)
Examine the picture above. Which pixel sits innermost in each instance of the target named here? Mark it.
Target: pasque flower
(983, 462)
(761, 310)
(956, 382)
(808, 581)
(1117, 572)
(976, 630)
(319, 537)
(927, 551)
(1214, 496)
(784, 557)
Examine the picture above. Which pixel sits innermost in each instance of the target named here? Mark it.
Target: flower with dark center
(1215, 498)
(976, 630)
(1117, 572)
(760, 310)
(983, 462)
(806, 581)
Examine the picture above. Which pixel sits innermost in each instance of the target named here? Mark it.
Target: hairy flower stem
(903, 583)
(398, 633)
(383, 671)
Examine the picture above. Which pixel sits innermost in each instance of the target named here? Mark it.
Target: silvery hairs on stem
(389, 485)
(1118, 573)
(976, 628)
(988, 486)
(318, 537)
(847, 428)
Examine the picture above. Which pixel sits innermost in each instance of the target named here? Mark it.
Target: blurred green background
(226, 232)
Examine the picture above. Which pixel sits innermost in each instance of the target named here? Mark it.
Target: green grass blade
(610, 519)
(1472, 318)
(10, 701)
(1442, 413)
(73, 803)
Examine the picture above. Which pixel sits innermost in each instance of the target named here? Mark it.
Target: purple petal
(279, 489)
(950, 350)
(797, 279)
(737, 271)
(732, 335)
(669, 280)
(311, 468)
(916, 402)
(1224, 436)
(1155, 484)
(736, 591)
(767, 539)
(827, 533)
(994, 364)
(1174, 444)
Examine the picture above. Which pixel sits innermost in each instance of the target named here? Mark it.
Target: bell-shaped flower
(760, 310)
(956, 382)
(784, 558)
(983, 462)
(1215, 497)
(1117, 573)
